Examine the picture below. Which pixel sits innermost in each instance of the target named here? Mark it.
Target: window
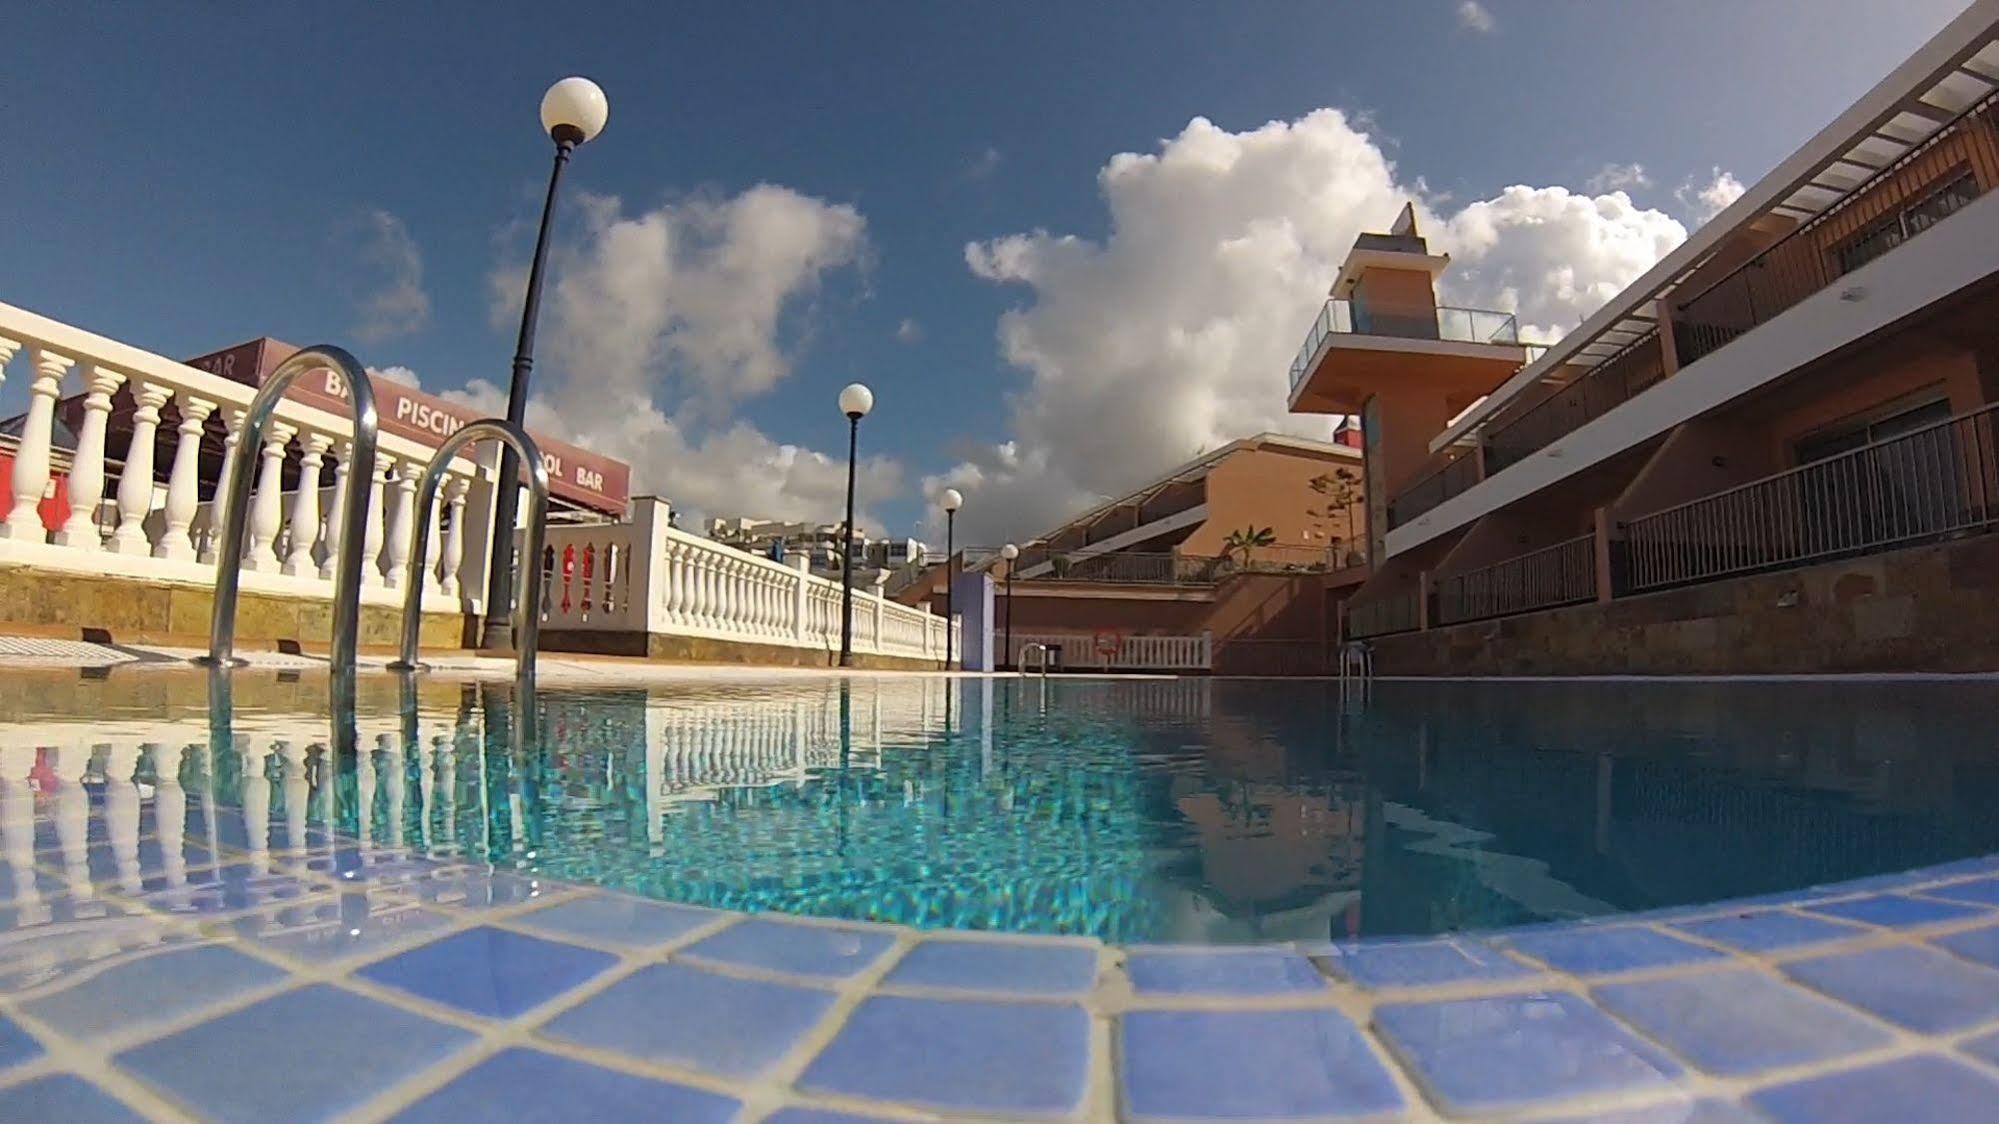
(1958, 188)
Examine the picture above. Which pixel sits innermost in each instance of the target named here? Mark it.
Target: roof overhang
(1361, 260)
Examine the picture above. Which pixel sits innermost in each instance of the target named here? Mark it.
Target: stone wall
(1930, 608)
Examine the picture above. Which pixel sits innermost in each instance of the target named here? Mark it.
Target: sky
(1068, 245)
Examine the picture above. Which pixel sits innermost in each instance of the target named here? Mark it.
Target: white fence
(123, 522)
(1085, 651)
(647, 577)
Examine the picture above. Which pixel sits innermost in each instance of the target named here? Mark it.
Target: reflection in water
(1139, 810)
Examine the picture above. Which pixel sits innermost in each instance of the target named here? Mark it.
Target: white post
(881, 602)
(454, 535)
(433, 547)
(232, 437)
(336, 516)
(31, 459)
(305, 506)
(86, 470)
(371, 531)
(184, 479)
(800, 563)
(267, 502)
(402, 527)
(135, 482)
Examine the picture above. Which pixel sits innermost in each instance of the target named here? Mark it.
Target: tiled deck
(371, 984)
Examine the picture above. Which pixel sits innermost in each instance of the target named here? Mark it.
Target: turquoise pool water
(1208, 811)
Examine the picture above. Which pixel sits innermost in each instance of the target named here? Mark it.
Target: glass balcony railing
(1460, 325)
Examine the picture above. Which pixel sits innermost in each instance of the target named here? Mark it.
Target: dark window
(1958, 189)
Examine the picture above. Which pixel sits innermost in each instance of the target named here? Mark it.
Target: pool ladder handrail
(527, 602)
(234, 502)
(1357, 660)
(1041, 650)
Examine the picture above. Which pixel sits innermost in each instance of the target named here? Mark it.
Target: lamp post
(951, 501)
(855, 402)
(1009, 552)
(572, 111)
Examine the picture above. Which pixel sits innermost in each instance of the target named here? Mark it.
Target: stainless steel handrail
(527, 602)
(235, 498)
(1040, 650)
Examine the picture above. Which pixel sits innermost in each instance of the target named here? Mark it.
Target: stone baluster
(86, 472)
(676, 590)
(305, 506)
(72, 817)
(372, 531)
(732, 594)
(267, 502)
(453, 534)
(170, 811)
(31, 457)
(184, 480)
(433, 546)
(697, 587)
(232, 437)
(121, 812)
(336, 514)
(402, 525)
(135, 482)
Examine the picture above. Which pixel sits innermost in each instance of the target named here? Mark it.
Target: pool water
(1194, 810)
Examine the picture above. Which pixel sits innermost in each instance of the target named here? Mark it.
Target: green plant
(1248, 539)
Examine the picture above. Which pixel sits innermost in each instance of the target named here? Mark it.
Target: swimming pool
(1191, 810)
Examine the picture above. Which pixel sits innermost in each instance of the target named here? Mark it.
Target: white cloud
(1704, 201)
(983, 165)
(1473, 16)
(1618, 177)
(657, 323)
(1174, 334)
(398, 374)
(909, 331)
(394, 304)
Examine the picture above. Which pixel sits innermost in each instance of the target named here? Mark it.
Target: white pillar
(211, 535)
(267, 503)
(86, 471)
(453, 534)
(371, 531)
(800, 605)
(305, 506)
(336, 516)
(184, 479)
(135, 482)
(31, 459)
(433, 547)
(402, 525)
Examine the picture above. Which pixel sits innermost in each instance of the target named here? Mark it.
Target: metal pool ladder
(1039, 650)
(1356, 661)
(527, 599)
(235, 498)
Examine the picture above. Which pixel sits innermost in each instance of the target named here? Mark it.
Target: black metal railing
(1606, 386)
(1563, 574)
(1381, 616)
(1934, 483)
(1451, 478)
(1121, 567)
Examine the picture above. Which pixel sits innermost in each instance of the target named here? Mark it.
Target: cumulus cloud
(909, 331)
(398, 374)
(1704, 201)
(1618, 177)
(657, 323)
(1473, 16)
(393, 303)
(1173, 334)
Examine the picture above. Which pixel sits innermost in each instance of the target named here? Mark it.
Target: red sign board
(583, 478)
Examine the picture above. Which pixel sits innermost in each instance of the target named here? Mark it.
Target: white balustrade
(31, 457)
(184, 480)
(454, 536)
(86, 470)
(433, 544)
(232, 437)
(373, 528)
(305, 505)
(402, 525)
(267, 502)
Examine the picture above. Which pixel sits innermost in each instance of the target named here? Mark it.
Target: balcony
(1456, 475)
(1455, 325)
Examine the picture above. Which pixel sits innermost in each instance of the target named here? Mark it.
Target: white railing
(1088, 651)
(136, 511)
(644, 576)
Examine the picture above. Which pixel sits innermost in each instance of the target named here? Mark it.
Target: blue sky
(192, 175)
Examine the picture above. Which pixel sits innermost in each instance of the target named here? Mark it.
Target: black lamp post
(573, 111)
(952, 501)
(855, 402)
(1009, 552)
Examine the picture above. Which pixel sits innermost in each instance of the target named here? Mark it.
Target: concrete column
(135, 482)
(1605, 578)
(86, 471)
(305, 506)
(267, 503)
(184, 480)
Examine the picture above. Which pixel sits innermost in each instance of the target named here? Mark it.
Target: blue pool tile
(474, 890)
(489, 971)
(528, 1085)
(1677, 1111)
(1381, 964)
(1590, 950)
(64, 1098)
(1923, 1087)
(1736, 1022)
(1985, 1046)
(745, 1025)
(1265, 1065)
(1002, 1059)
(1896, 911)
(1768, 930)
(33, 883)
(1979, 891)
(1920, 988)
(805, 950)
(16, 1045)
(234, 888)
(1505, 1051)
(152, 989)
(1026, 967)
(340, 926)
(1253, 972)
(819, 1116)
(292, 1057)
(376, 866)
(619, 919)
(1981, 945)
(109, 866)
